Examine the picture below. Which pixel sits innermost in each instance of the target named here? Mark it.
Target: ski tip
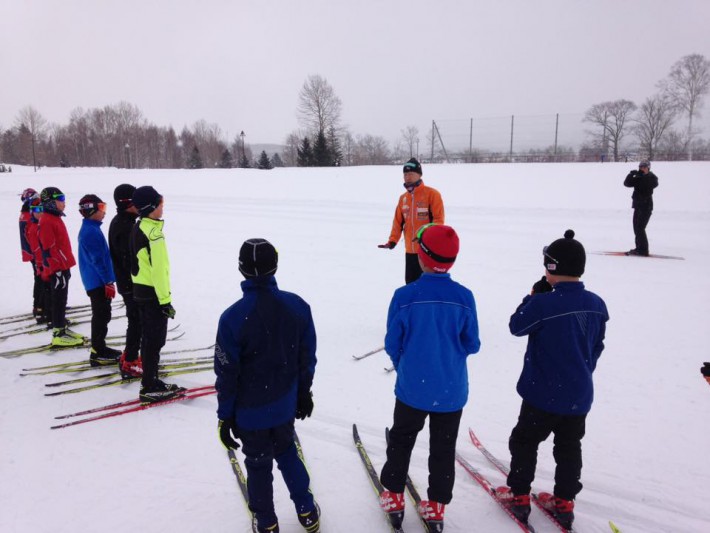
(613, 527)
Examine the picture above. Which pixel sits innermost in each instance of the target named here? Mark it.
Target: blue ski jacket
(264, 356)
(95, 263)
(565, 330)
(432, 327)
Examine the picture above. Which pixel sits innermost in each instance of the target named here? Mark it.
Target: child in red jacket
(57, 262)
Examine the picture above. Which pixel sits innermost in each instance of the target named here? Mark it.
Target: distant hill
(270, 149)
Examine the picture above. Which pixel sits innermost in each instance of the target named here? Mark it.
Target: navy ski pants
(263, 447)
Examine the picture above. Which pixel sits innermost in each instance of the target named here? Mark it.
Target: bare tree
(410, 135)
(371, 150)
(612, 117)
(319, 107)
(654, 118)
(687, 84)
(30, 121)
(290, 153)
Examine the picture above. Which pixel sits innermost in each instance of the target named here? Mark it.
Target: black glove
(541, 286)
(705, 370)
(168, 310)
(304, 405)
(389, 245)
(226, 429)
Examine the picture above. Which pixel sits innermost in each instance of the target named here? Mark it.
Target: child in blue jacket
(565, 325)
(97, 275)
(432, 327)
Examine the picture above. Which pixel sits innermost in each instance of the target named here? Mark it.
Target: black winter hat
(146, 199)
(123, 196)
(258, 257)
(89, 204)
(412, 166)
(565, 257)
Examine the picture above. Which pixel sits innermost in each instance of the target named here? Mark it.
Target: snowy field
(646, 450)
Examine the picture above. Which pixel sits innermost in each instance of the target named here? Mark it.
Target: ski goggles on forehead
(88, 206)
(418, 236)
(59, 196)
(36, 208)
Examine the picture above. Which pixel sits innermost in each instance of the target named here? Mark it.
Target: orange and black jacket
(415, 209)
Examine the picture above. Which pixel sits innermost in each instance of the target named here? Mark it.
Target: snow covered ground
(646, 450)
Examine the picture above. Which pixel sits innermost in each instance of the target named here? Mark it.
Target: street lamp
(128, 155)
(242, 135)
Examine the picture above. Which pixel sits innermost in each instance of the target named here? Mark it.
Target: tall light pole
(34, 157)
(128, 155)
(244, 157)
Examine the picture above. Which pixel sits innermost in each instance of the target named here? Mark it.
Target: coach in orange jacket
(419, 206)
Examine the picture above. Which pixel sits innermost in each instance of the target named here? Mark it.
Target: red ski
(133, 406)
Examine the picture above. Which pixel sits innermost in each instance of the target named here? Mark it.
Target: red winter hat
(438, 246)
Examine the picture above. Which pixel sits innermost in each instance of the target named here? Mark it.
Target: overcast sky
(393, 63)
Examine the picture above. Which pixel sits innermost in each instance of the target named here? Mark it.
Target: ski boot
(310, 520)
(562, 510)
(107, 356)
(392, 504)
(130, 369)
(159, 391)
(256, 528)
(433, 514)
(519, 505)
(62, 339)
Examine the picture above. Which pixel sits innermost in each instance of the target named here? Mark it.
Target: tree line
(119, 135)
(663, 125)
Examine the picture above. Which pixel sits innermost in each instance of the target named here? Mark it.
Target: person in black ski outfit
(643, 182)
(119, 236)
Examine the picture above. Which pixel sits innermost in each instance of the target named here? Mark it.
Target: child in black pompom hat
(565, 257)
(565, 325)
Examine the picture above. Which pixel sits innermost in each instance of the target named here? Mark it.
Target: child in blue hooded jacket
(565, 325)
(432, 327)
(97, 275)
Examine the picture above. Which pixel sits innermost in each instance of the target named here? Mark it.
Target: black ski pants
(641, 217)
(100, 317)
(154, 325)
(58, 292)
(533, 427)
(41, 297)
(412, 269)
(133, 329)
(443, 430)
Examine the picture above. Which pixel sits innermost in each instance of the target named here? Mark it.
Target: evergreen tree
(63, 161)
(244, 162)
(336, 154)
(195, 160)
(226, 161)
(321, 152)
(305, 154)
(264, 163)
(276, 161)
